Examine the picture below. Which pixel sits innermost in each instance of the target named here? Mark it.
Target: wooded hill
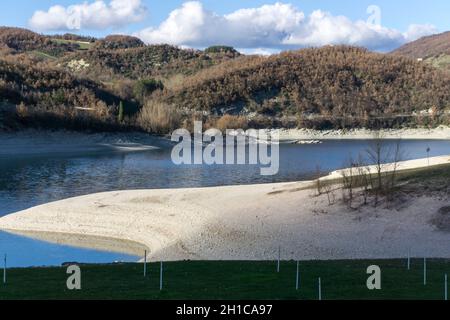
(327, 87)
(427, 46)
(121, 83)
(434, 50)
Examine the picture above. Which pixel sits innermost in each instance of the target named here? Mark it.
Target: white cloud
(416, 31)
(276, 26)
(192, 25)
(93, 15)
(258, 51)
(322, 28)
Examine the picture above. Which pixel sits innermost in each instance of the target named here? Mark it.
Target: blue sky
(396, 17)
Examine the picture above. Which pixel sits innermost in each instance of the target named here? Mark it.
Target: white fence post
(279, 258)
(161, 277)
(4, 270)
(320, 290)
(424, 271)
(445, 288)
(145, 263)
(297, 279)
(409, 259)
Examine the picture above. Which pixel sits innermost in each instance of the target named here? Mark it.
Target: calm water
(33, 180)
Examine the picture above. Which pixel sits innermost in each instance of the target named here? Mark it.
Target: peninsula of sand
(240, 222)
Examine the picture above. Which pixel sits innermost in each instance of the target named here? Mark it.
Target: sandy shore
(243, 222)
(439, 133)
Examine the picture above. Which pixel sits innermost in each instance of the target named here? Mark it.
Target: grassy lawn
(83, 45)
(232, 280)
(427, 176)
(440, 62)
(43, 55)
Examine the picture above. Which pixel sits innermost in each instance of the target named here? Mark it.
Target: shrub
(113, 42)
(121, 111)
(22, 110)
(220, 49)
(231, 122)
(157, 117)
(144, 88)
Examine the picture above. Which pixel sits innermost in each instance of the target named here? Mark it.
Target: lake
(27, 181)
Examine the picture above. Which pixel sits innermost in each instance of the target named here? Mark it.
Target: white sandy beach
(243, 222)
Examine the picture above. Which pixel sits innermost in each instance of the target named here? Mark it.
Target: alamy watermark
(374, 13)
(234, 147)
(74, 280)
(374, 280)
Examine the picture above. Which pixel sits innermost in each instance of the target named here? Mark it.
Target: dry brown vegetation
(231, 122)
(433, 50)
(113, 42)
(331, 87)
(426, 47)
(158, 117)
(137, 62)
(322, 88)
(371, 179)
(22, 40)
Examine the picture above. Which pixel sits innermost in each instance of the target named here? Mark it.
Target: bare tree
(364, 179)
(318, 182)
(377, 158)
(392, 172)
(348, 183)
(329, 191)
(367, 180)
(385, 159)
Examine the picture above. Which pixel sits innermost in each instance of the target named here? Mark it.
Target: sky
(253, 26)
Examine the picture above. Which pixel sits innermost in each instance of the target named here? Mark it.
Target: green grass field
(191, 280)
(83, 45)
(43, 55)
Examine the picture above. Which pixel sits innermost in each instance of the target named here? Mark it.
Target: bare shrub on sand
(349, 180)
(324, 187)
(386, 159)
(375, 183)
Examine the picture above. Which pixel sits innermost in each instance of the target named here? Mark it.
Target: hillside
(427, 46)
(22, 40)
(434, 50)
(328, 87)
(140, 61)
(119, 82)
(51, 97)
(113, 57)
(83, 80)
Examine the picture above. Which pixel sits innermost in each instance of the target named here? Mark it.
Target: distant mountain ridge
(434, 50)
(426, 47)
